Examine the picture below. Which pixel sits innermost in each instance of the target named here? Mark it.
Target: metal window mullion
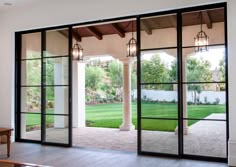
(180, 84)
(43, 91)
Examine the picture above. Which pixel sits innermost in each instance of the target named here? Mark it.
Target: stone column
(78, 94)
(60, 96)
(127, 124)
(184, 98)
(185, 92)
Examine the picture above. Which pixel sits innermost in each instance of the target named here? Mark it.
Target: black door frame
(43, 86)
(179, 13)
(137, 17)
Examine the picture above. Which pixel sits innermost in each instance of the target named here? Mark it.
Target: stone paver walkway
(206, 138)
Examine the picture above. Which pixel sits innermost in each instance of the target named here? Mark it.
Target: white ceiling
(15, 4)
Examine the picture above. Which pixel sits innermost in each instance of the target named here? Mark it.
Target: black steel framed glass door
(159, 85)
(182, 88)
(44, 87)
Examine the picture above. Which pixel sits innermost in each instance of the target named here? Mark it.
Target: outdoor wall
(60, 12)
(170, 96)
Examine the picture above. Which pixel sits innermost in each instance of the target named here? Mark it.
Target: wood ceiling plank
(173, 20)
(95, 32)
(76, 35)
(146, 28)
(118, 30)
(207, 19)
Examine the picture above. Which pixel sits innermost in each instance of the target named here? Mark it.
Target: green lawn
(110, 115)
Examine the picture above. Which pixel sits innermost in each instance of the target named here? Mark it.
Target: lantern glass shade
(132, 47)
(201, 41)
(77, 52)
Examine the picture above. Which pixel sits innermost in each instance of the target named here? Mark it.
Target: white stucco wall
(60, 12)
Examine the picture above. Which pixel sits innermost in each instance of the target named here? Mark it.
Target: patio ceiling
(148, 24)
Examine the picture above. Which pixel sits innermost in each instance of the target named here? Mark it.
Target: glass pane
(57, 100)
(31, 99)
(57, 71)
(56, 43)
(31, 126)
(159, 66)
(159, 101)
(159, 136)
(206, 138)
(31, 72)
(212, 25)
(158, 31)
(57, 129)
(204, 101)
(31, 45)
(204, 66)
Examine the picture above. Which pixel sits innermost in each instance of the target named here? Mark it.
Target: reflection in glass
(31, 99)
(207, 138)
(57, 100)
(57, 129)
(31, 46)
(31, 126)
(159, 136)
(31, 72)
(56, 43)
(159, 66)
(57, 71)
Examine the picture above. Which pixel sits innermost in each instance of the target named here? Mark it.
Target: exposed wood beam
(76, 35)
(146, 28)
(95, 32)
(118, 30)
(207, 19)
(64, 33)
(173, 20)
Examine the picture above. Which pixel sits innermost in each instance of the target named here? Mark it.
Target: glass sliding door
(159, 84)
(30, 87)
(55, 86)
(182, 83)
(44, 91)
(204, 83)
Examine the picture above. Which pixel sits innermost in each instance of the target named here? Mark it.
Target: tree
(155, 71)
(222, 72)
(197, 71)
(115, 72)
(94, 77)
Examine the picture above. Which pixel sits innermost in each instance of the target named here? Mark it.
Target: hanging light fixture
(201, 39)
(77, 52)
(132, 45)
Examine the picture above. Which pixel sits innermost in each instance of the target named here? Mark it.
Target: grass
(110, 115)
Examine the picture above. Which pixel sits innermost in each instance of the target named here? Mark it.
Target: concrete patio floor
(206, 138)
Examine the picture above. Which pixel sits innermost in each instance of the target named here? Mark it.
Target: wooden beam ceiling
(95, 32)
(173, 20)
(146, 28)
(207, 19)
(64, 33)
(76, 35)
(118, 30)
